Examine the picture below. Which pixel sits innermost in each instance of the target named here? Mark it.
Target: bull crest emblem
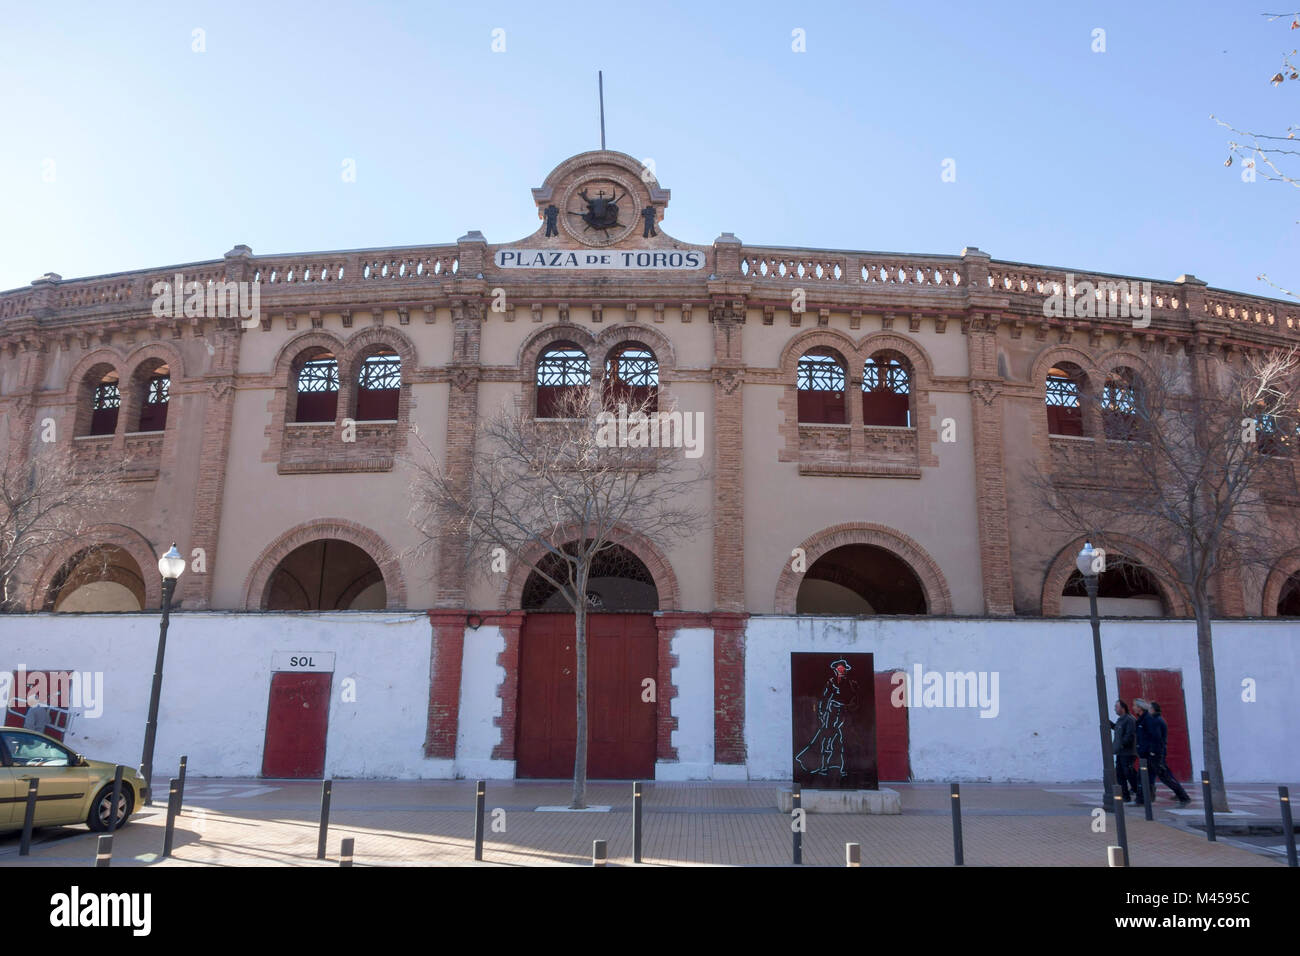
(602, 212)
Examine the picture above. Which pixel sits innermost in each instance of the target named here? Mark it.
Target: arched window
(1120, 404)
(1126, 588)
(632, 377)
(318, 389)
(886, 391)
(1065, 400)
(820, 380)
(561, 369)
(105, 400)
(1288, 601)
(379, 386)
(153, 391)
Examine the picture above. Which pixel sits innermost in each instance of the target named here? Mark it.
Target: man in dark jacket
(1150, 747)
(1124, 746)
(1170, 781)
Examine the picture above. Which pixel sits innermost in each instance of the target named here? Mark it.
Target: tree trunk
(1209, 706)
(579, 801)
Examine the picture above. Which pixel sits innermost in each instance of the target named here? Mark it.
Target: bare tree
(1197, 460)
(555, 492)
(47, 499)
(1271, 155)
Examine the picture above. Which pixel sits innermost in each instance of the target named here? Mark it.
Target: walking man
(1170, 781)
(1124, 746)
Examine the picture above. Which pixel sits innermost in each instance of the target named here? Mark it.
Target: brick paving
(422, 823)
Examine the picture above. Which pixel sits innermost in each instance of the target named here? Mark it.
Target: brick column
(990, 465)
(728, 318)
(446, 656)
(728, 687)
(508, 690)
(668, 624)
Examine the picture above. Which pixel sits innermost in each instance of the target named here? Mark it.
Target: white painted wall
(1046, 727)
(217, 679)
(476, 735)
(693, 707)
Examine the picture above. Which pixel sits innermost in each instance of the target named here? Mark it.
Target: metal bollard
(104, 852)
(796, 819)
(25, 845)
(958, 857)
(1115, 855)
(636, 822)
(1288, 828)
(1147, 795)
(1208, 796)
(1120, 829)
(117, 796)
(173, 807)
(853, 854)
(599, 853)
(181, 777)
(323, 834)
(345, 854)
(480, 797)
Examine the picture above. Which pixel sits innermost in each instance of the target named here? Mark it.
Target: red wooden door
(622, 650)
(296, 722)
(891, 731)
(1166, 688)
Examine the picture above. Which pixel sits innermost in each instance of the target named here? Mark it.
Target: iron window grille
(319, 375)
(381, 372)
(159, 392)
(820, 373)
(106, 397)
(1062, 391)
(563, 367)
(894, 378)
(635, 367)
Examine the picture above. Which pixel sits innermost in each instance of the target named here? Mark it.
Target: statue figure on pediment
(550, 213)
(648, 214)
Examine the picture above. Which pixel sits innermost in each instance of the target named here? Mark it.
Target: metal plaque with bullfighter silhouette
(833, 716)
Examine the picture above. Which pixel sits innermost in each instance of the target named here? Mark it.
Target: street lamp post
(171, 566)
(1087, 562)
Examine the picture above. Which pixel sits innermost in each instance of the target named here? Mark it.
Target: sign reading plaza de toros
(598, 259)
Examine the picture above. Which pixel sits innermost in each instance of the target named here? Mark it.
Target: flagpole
(600, 79)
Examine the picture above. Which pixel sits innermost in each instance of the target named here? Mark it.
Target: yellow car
(72, 789)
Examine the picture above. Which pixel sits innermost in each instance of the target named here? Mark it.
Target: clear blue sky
(1105, 161)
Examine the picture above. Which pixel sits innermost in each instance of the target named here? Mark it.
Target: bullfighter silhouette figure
(825, 752)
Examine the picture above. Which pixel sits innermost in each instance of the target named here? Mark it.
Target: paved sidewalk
(421, 823)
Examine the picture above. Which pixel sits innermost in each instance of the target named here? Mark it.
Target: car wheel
(99, 808)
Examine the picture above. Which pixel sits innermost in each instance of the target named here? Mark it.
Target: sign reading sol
(303, 661)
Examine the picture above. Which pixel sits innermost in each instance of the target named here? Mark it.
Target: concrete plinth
(883, 800)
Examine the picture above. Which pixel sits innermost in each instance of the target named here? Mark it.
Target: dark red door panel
(1166, 688)
(296, 724)
(622, 650)
(891, 731)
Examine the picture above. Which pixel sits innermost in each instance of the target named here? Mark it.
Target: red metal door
(622, 650)
(1166, 688)
(296, 722)
(891, 730)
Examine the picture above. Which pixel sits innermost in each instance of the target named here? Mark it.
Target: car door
(8, 792)
(61, 793)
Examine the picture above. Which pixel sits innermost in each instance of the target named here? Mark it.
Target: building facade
(871, 424)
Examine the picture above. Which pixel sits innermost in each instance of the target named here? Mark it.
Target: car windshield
(28, 750)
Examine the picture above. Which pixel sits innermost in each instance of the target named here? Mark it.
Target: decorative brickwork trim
(938, 599)
(1063, 566)
(508, 690)
(668, 624)
(259, 577)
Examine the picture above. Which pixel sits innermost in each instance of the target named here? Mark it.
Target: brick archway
(259, 577)
(141, 550)
(938, 599)
(1278, 575)
(1063, 566)
(659, 568)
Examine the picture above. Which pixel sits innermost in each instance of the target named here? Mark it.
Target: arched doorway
(102, 579)
(622, 651)
(1288, 601)
(327, 574)
(860, 579)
